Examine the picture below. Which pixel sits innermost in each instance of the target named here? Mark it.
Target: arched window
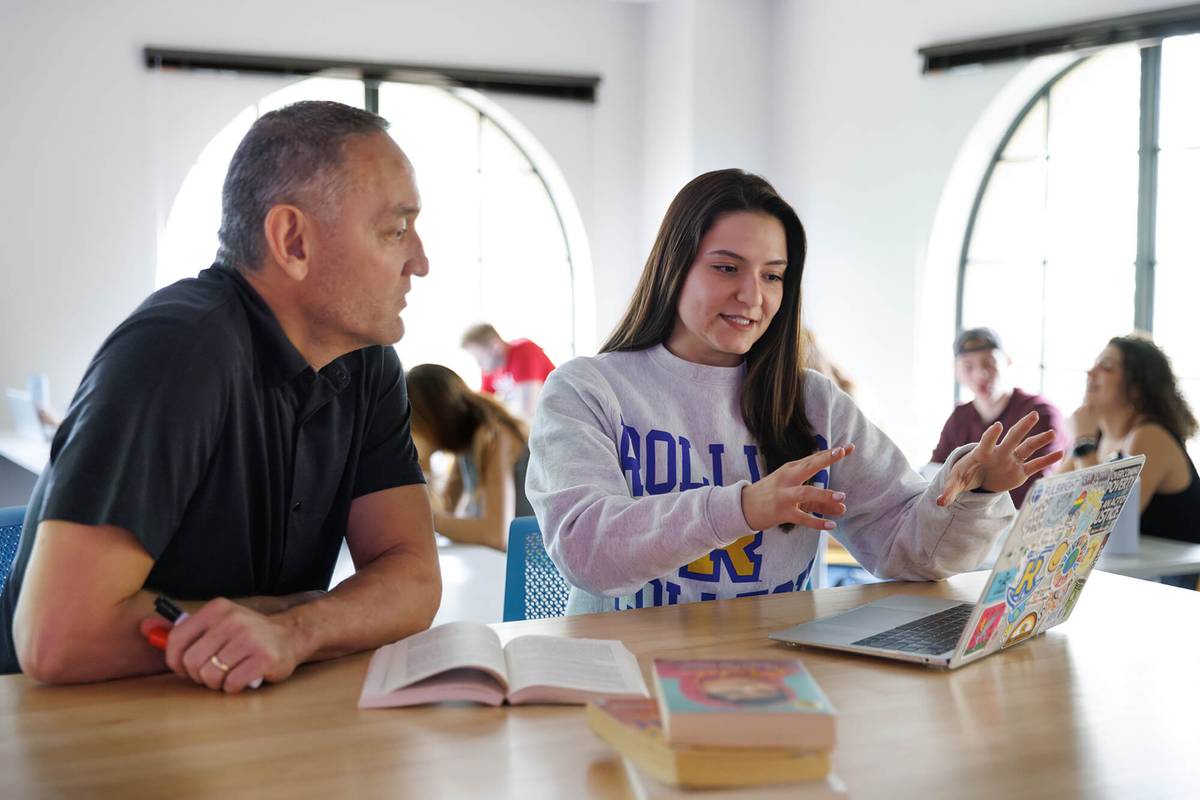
(498, 238)
(1085, 226)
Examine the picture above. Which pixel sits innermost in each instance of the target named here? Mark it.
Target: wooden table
(1154, 558)
(1107, 705)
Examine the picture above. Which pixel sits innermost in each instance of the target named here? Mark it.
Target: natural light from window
(1051, 258)
(491, 230)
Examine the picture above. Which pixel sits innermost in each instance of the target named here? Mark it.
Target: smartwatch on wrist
(1085, 445)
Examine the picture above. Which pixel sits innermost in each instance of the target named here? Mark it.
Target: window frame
(1149, 100)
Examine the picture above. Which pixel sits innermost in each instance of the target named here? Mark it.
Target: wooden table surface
(1108, 705)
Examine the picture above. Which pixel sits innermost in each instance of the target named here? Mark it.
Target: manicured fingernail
(829, 525)
(839, 496)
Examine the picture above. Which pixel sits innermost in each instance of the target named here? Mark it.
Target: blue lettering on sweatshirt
(670, 457)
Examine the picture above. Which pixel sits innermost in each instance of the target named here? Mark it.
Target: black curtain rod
(538, 84)
(1149, 25)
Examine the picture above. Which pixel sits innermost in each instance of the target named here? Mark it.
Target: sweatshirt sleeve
(602, 539)
(893, 525)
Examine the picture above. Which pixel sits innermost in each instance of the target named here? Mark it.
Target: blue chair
(11, 520)
(533, 587)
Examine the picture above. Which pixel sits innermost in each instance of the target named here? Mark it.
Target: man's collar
(278, 358)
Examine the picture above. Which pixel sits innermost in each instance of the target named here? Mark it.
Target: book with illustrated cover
(633, 728)
(743, 703)
(465, 661)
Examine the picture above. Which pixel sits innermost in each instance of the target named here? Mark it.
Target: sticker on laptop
(989, 622)
(1022, 630)
(999, 584)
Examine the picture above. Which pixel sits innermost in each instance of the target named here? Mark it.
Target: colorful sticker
(1086, 509)
(1093, 550)
(1023, 629)
(1072, 598)
(1056, 558)
(999, 584)
(989, 621)
(1030, 577)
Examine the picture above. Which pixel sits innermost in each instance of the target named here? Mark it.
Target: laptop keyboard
(934, 634)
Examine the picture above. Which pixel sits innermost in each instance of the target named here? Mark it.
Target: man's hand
(783, 497)
(226, 646)
(1000, 466)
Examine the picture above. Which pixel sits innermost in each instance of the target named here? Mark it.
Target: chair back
(11, 520)
(533, 587)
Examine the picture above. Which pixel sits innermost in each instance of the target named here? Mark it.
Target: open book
(464, 661)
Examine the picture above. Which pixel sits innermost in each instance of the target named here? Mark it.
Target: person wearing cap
(981, 365)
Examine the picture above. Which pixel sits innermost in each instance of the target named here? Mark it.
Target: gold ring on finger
(219, 664)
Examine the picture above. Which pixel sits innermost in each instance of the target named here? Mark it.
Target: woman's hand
(783, 497)
(1000, 466)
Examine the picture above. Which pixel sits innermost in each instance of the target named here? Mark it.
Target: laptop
(24, 413)
(1123, 541)
(1034, 585)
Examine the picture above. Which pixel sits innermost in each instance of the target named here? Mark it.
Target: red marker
(174, 615)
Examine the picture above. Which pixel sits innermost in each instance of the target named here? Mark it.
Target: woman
(487, 487)
(1132, 405)
(691, 458)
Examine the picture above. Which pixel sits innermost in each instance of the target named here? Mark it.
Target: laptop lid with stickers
(1047, 556)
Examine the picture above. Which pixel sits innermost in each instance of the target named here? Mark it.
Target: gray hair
(290, 155)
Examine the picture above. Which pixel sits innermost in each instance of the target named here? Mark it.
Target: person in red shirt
(981, 365)
(512, 371)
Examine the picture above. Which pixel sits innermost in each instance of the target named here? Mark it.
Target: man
(235, 428)
(981, 365)
(513, 371)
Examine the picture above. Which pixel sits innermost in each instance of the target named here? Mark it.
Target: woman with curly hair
(486, 488)
(1133, 406)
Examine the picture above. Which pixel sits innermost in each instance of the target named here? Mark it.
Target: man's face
(489, 355)
(982, 372)
(365, 254)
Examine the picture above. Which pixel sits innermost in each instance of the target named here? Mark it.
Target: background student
(486, 487)
(1132, 405)
(981, 365)
(688, 461)
(512, 371)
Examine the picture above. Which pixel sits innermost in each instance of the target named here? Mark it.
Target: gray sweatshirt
(638, 461)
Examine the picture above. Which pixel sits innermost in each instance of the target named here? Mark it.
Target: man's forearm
(79, 647)
(396, 595)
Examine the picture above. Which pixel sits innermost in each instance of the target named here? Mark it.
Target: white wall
(707, 84)
(84, 179)
(825, 98)
(862, 145)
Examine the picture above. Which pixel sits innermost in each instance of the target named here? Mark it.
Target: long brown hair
(773, 392)
(450, 413)
(1151, 386)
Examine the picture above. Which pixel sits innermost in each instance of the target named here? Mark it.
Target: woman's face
(732, 290)
(1106, 382)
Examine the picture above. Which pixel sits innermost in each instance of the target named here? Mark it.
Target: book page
(453, 645)
(591, 666)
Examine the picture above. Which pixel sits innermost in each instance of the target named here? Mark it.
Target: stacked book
(726, 724)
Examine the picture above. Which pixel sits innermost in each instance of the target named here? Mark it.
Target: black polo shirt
(203, 431)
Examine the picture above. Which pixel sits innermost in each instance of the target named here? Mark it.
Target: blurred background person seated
(483, 490)
(816, 358)
(1132, 405)
(512, 371)
(982, 366)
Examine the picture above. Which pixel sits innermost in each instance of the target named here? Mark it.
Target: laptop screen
(1048, 554)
